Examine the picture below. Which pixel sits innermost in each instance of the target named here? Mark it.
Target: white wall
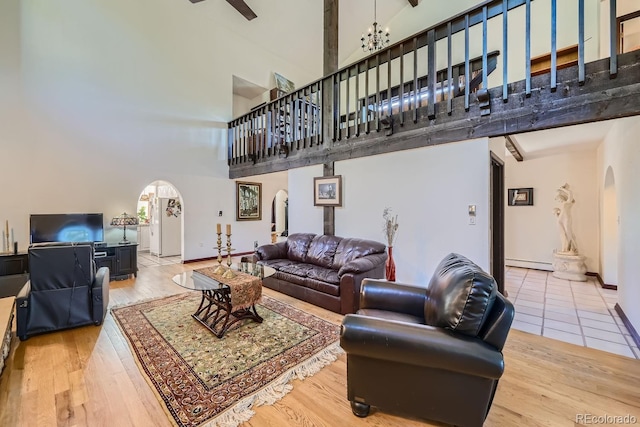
(621, 151)
(304, 217)
(531, 232)
(101, 98)
(430, 190)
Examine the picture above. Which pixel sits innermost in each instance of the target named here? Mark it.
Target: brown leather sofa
(433, 353)
(323, 270)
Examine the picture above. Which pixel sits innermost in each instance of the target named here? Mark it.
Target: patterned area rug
(206, 381)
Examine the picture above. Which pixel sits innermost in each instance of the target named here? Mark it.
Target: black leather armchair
(433, 353)
(64, 290)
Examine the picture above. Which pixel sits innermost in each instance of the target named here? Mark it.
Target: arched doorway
(280, 216)
(160, 213)
(610, 236)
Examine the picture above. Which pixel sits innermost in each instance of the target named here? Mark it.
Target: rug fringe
(277, 389)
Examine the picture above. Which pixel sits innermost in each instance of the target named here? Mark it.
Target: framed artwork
(327, 191)
(248, 201)
(520, 197)
(283, 84)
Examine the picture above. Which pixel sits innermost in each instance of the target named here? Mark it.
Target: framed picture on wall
(327, 191)
(248, 201)
(520, 197)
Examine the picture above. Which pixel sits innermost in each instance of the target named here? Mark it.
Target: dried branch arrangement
(390, 228)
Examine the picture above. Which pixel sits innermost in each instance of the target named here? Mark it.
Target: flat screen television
(81, 227)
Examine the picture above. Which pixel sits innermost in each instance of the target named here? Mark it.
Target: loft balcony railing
(421, 77)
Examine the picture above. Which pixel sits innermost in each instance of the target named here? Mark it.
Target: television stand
(122, 260)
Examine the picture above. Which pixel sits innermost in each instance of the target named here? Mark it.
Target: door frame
(496, 220)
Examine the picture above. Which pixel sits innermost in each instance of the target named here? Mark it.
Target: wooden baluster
(338, 106)
(389, 108)
(347, 90)
(449, 72)
(318, 113)
(401, 90)
(378, 101)
(485, 64)
(527, 37)
(554, 53)
(355, 103)
(296, 128)
(230, 143)
(366, 97)
(306, 102)
(581, 76)
(467, 71)
(270, 127)
(505, 64)
(613, 37)
(416, 93)
(431, 74)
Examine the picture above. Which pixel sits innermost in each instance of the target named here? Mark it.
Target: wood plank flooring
(88, 377)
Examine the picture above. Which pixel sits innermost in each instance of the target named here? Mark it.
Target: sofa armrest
(363, 264)
(419, 345)
(25, 291)
(390, 296)
(272, 251)
(22, 310)
(100, 295)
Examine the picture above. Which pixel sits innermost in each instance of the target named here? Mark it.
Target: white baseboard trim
(545, 266)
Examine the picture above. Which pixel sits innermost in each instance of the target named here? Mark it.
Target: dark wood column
(330, 65)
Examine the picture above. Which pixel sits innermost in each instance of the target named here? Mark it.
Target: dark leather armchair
(433, 353)
(64, 290)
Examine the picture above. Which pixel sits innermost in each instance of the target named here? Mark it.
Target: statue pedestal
(569, 266)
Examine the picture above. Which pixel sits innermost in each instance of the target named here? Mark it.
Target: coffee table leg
(216, 313)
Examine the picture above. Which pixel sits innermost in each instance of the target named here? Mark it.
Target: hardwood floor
(88, 377)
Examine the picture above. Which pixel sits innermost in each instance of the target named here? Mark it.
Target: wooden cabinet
(14, 269)
(14, 264)
(122, 260)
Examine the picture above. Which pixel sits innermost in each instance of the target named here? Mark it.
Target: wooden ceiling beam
(512, 146)
(243, 8)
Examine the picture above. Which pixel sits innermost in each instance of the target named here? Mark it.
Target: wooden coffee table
(226, 301)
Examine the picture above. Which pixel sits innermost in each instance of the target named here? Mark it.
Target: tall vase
(390, 266)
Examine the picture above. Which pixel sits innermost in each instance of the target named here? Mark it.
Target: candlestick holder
(229, 273)
(220, 269)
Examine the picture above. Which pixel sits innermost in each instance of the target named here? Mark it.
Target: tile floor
(580, 313)
(145, 259)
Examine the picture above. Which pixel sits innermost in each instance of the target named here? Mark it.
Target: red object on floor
(390, 266)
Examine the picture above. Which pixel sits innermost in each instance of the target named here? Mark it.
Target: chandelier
(376, 38)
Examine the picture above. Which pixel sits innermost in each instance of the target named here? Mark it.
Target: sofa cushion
(297, 280)
(320, 286)
(459, 296)
(322, 250)
(352, 248)
(298, 268)
(276, 264)
(273, 251)
(298, 245)
(324, 275)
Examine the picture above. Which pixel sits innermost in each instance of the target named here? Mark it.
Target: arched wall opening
(161, 215)
(280, 216)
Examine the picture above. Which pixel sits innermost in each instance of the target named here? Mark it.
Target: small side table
(6, 321)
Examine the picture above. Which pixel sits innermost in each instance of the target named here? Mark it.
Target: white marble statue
(567, 264)
(563, 214)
